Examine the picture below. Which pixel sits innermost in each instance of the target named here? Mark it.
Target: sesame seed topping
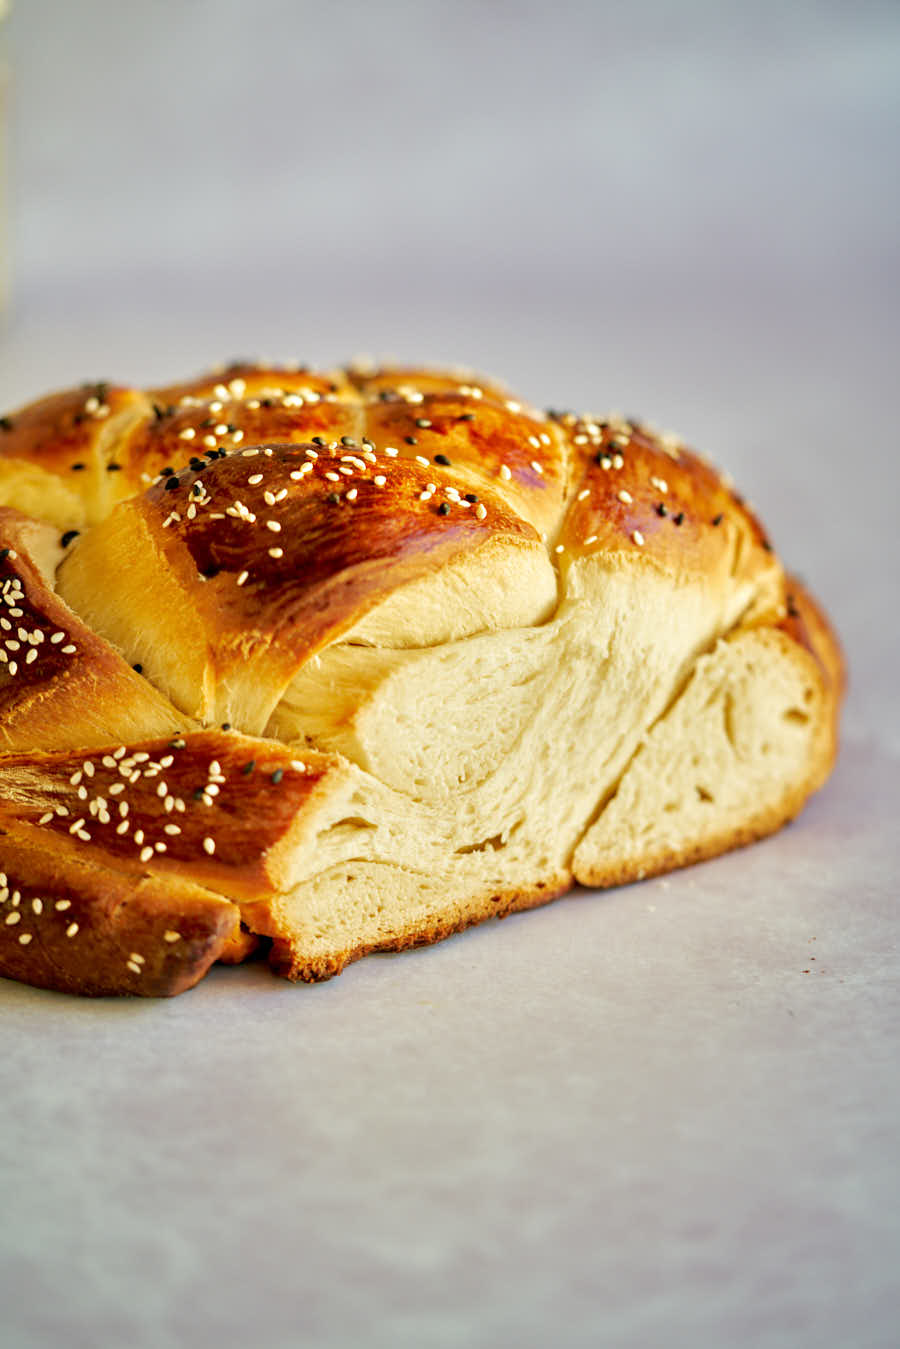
(505, 473)
(72, 930)
(209, 845)
(625, 496)
(171, 936)
(638, 536)
(480, 510)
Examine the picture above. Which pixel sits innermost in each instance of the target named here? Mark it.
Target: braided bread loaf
(345, 662)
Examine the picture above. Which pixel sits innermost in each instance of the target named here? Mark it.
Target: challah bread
(352, 660)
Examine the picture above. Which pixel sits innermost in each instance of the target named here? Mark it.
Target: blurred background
(687, 211)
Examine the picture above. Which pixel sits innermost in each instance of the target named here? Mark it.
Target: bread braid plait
(346, 661)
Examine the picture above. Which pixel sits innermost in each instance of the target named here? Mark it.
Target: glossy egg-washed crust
(285, 501)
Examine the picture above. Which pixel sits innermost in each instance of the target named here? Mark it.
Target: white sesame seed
(505, 473)
(274, 526)
(584, 494)
(187, 434)
(209, 846)
(560, 548)
(139, 836)
(62, 904)
(276, 552)
(46, 818)
(135, 968)
(69, 650)
(480, 510)
(72, 930)
(13, 918)
(625, 496)
(171, 936)
(638, 536)
(379, 480)
(254, 479)
(146, 853)
(242, 577)
(25, 938)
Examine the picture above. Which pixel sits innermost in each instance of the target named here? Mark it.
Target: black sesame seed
(470, 497)
(197, 489)
(467, 417)
(793, 611)
(600, 456)
(198, 794)
(248, 768)
(158, 412)
(79, 418)
(767, 545)
(277, 775)
(231, 429)
(166, 472)
(211, 454)
(6, 424)
(210, 572)
(679, 518)
(76, 468)
(410, 440)
(661, 509)
(197, 465)
(318, 440)
(210, 421)
(67, 538)
(717, 519)
(138, 669)
(333, 498)
(4, 554)
(102, 392)
(172, 484)
(226, 725)
(268, 402)
(347, 440)
(113, 468)
(442, 459)
(444, 508)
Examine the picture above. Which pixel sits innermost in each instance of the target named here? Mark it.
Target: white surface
(629, 1119)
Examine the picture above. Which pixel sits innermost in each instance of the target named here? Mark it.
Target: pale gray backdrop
(630, 1121)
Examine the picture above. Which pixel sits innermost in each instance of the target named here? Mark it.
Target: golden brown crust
(215, 807)
(69, 923)
(643, 495)
(277, 550)
(280, 505)
(58, 680)
(69, 436)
